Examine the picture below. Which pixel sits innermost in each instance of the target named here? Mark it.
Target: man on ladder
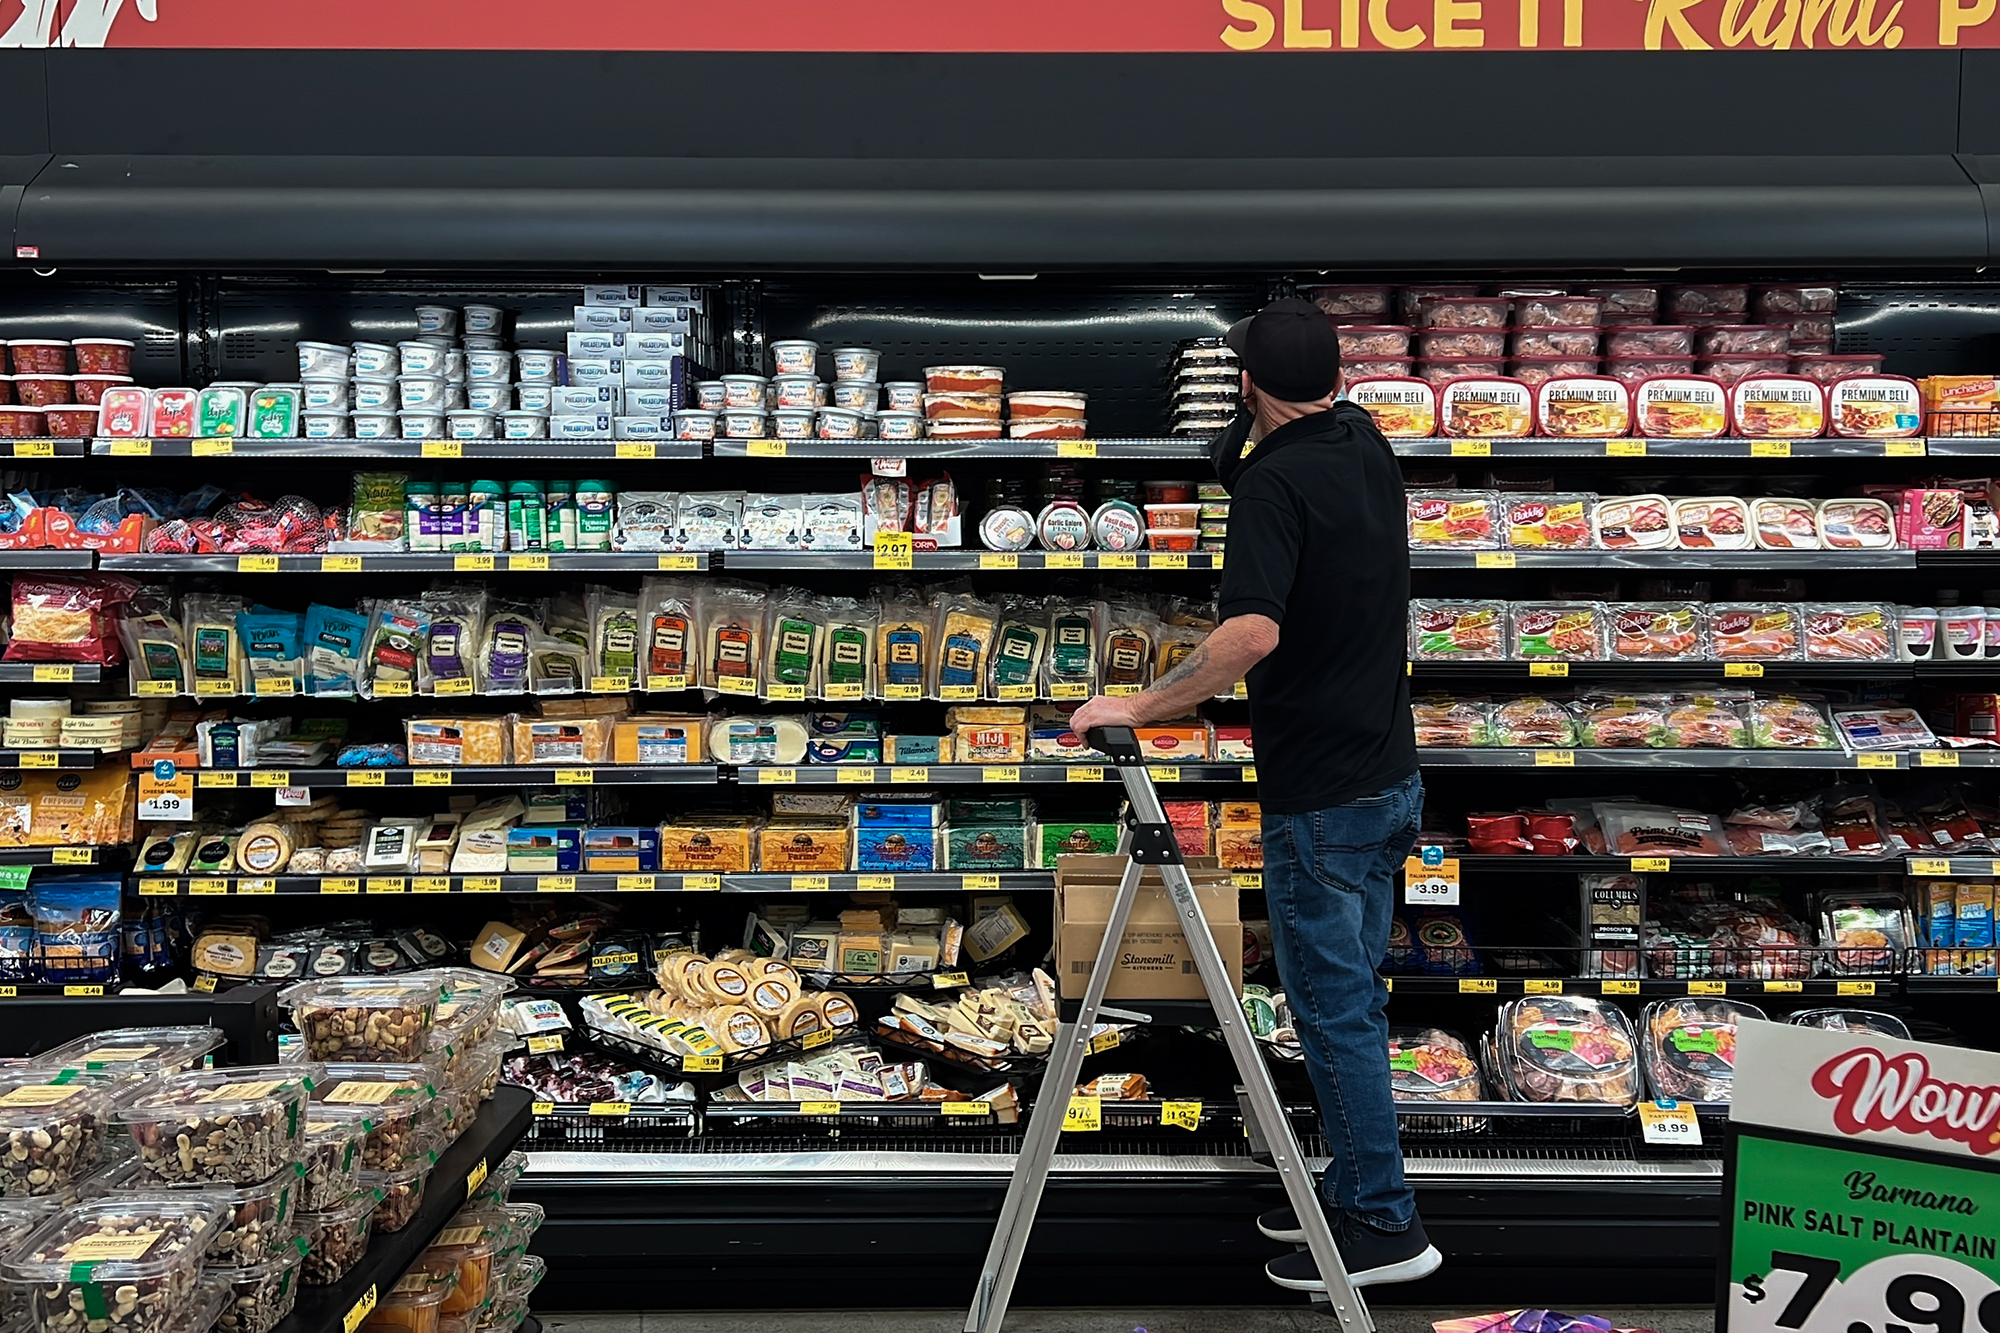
(1314, 607)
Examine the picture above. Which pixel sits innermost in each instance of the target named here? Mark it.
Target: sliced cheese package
(732, 620)
(1127, 637)
(903, 647)
(614, 634)
(794, 640)
(964, 632)
(454, 618)
(1071, 666)
(1018, 648)
(671, 658)
(847, 649)
(503, 657)
(757, 740)
(214, 649)
(396, 631)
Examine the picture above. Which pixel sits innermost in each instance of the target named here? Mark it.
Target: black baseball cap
(1290, 349)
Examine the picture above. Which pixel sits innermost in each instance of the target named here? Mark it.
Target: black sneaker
(1282, 1224)
(1371, 1257)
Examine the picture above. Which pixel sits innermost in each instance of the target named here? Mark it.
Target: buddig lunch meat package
(1469, 520)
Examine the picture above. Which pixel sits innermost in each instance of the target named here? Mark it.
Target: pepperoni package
(1654, 631)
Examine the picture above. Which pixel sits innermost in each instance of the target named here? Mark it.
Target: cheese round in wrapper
(1404, 408)
(837, 1010)
(770, 996)
(264, 849)
(772, 967)
(800, 1018)
(738, 1029)
(725, 981)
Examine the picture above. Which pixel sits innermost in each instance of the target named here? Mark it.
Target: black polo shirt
(1318, 542)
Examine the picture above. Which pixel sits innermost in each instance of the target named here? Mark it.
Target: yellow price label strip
(640, 449)
(222, 778)
(73, 856)
(1555, 759)
(1167, 560)
(819, 1108)
(814, 1040)
(1471, 449)
(874, 883)
(1770, 448)
(1117, 560)
(530, 562)
(1652, 865)
(79, 992)
(1624, 448)
(340, 885)
(131, 448)
(610, 684)
(1083, 773)
(1180, 1115)
(999, 560)
(1249, 773)
(151, 688)
(474, 1179)
(611, 1108)
(1904, 449)
(1929, 865)
(809, 883)
(479, 884)
(1063, 560)
(1937, 759)
(999, 773)
(1854, 988)
(1621, 988)
(1105, 1041)
(1542, 986)
(678, 563)
(949, 980)
(1875, 761)
(256, 888)
(34, 448)
(394, 689)
(55, 674)
(443, 449)
(853, 776)
(965, 1108)
(256, 564)
(265, 777)
(388, 884)
(895, 551)
(908, 774)
(38, 759)
(765, 448)
(472, 564)
(1064, 690)
(839, 691)
(636, 883)
(1548, 668)
(701, 883)
(555, 884)
(1084, 1114)
(454, 685)
(1164, 772)
(431, 777)
(978, 883)
(1076, 448)
(430, 884)
(575, 777)
(545, 1044)
(1783, 987)
(359, 1311)
(1742, 670)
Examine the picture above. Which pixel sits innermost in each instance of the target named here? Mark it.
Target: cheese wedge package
(1018, 648)
(614, 633)
(670, 659)
(503, 650)
(454, 618)
(732, 633)
(1128, 634)
(1070, 667)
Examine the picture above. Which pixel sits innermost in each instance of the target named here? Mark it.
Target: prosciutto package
(1659, 830)
(1452, 720)
(1534, 720)
(1457, 630)
(1851, 820)
(1790, 722)
(1654, 631)
(1749, 631)
(1786, 828)
(1631, 721)
(1863, 632)
(1690, 1047)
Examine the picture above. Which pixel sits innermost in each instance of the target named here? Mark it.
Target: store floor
(1211, 1319)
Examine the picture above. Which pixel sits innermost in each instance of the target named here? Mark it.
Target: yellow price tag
(34, 448)
(1117, 560)
(814, 1040)
(851, 775)
(1063, 560)
(610, 684)
(341, 885)
(394, 689)
(1493, 560)
(340, 564)
(999, 773)
(1708, 988)
(1624, 448)
(1743, 669)
(949, 980)
(211, 448)
(953, 694)
(362, 777)
(219, 778)
(1875, 761)
(359, 1311)
(1555, 759)
(575, 777)
(897, 692)
(701, 1064)
(149, 688)
(1854, 988)
(1477, 986)
(265, 777)
(555, 884)
(431, 777)
(637, 883)
(1249, 772)
(1783, 987)
(916, 774)
(1548, 668)
(1180, 1115)
(208, 687)
(834, 692)
(965, 1108)
(55, 675)
(474, 1179)
(808, 883)
(1167, 560)
(430, 884)
(452, 685)
(701, 883)
(771, 777)
(1929, 865)
(874, 883)
(678, 563)
(479, 884)
(472, 564)
(1164, 772)
(73, 856)
(1067, 689)
(1770, 448)
(1121, 691)
(131, 448)
(158, 888)
(207, 888)
(1621, 988)
(1105, 1041)
(1083, 773)
(443, 449)
(611, 1108)
(256, 564)
(1668, 1122)
(1247, 879)
(542, 1108)
(1652, 865)
(736, 685)
(785, 693)
(1542, 986)
(38, 759)
(1937, 759)
(256, 888)
(527, 562)
(999, 560)
(1084, 1113)
(388, 884)
(1471, 449)
(1076, 448)
(819, 1108)
(1903, 449)
(765, 448)
(895, 550)
(640, 449)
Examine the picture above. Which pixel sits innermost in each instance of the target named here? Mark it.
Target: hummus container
(1782, 523)
(1440, 371)
(1373, 340)
(1463, 312)
(796, 391)
(1876, 407)
(1709, 298)
(420, 358)
(962, 405)
(1680, 407)
(524, 425)
(1634, 370)
(1554, 341)
(645, 400)
(125, 414)
(1045, 405)
(1351, 301)
(904, 395)
(1538, 370)
(694, 423)
(1826, 367)
(102, 356)
(371, 361)
(481, 366)
(793, 423)
(39, 390)
(856, 363)
(323, 361)
(983, 380)
(39, 356)
(1729, 369)
(1742, 340)
(1173, 516)
(1713, 523)
(1049, 428)
(1354, 368)
(1856, 525)
(744, 391)
(1557, 312)
(962, 429)
(795, 356)
(325, 425)
(596, 427)
(843, 423)
(174, 413)
(375, 396)
(1583, 407)
(1172, 539)
(89, 389)
(418, 425)
(21, 423)
(1480, 407)
(322, 395)
(901, 424)
(465, 424)
(1461, 342)
(274, 412)
(1404, 408)
(745, 423)
(70, 422)
(1650, 340)
(537, 367)
(1007, 528)
(1633, 523)
(375, 426)
(437, 319)
(484, 318)
(426, 393)
(642, 428)
(1777, 407)
(857, 395)
(488, 397)
(711, 395)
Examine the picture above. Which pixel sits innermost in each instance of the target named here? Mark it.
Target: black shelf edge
(1727, 675)
(1681, 561)
(806, 561)
(1646, 987)
(501, 1123)
(1193, 447)
(45, 447)
(58, 759)
(58, 856)
(50, 673)
(428, 450)
(515, 562)
(1621, 865)
(904, 776)
(1441, 757)
(505, 775)
(43, 558)
(640, 881)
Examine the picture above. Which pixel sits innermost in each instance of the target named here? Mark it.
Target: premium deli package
(1785, 524)
(1777, 407)
(1856, 525)
(1634, 523)
(1747, 632)
(1480, 407)
(1654, 631)
(1549, 522)
(1403, 408)
(1875, 407)
(1713, 523)
(1681, 407)
(1468, 520)
(1588, 407)
(1456, 630)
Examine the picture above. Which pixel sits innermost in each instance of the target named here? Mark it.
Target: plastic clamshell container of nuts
(51, 1133)
(402, 1191)
(19, 1217)
(478, 1073)
(259, 1298)
(500, 1181)
(116, 1265)
(134, 1053)
(257, 1222)
(415, 1304)
(225, 1126)
(466, 1246)
(394, 1098)
(337, 1238)
(523, 1221)
(330, 1170)
(365, 1018)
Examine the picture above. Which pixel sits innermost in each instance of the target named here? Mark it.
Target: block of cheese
(714, 844)
(571, 740)
(450, 741)
(802, 846)
(658, 739)
(1240, 846)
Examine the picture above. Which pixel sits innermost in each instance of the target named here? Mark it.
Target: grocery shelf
(1525, 863)
(46, 559)
(806, 561)
(1963, 446)
(1681, 561)
(1010, 881)
(908, 775)
(50, 673)
(248, 886)
(61, 856)
(45, 448)
(341, 1307)
(1441, 757)
(1134, 450)
(501, 775)
(499, 450)
(867, 1113)
(1954, 867)
(630, 562)
(1730, 674)
(1632, 447)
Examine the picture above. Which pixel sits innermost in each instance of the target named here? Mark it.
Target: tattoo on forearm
(1186, 669)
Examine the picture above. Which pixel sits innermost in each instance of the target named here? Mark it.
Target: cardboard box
(1154, 961)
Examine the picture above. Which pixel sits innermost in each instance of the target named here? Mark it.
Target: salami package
(1690, 1047)
(1850, 632)
(1749, 632)
(1654, 631)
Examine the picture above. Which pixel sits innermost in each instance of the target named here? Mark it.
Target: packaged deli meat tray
(1713, 523)
(1486, 407)
(1556, 632)
(1778, 407)
(1690, 1047)
(1451, 720)
(365, 1018)
(116, 1265)
(1654, 631)
(54, 1132)
(224, 1126)
(1583, 407)
(1559, 522)
(1431, 1065)
(133, 1053)
(1403, 407)
(1565, 1049)
(1852, 1020)
(1468, 520)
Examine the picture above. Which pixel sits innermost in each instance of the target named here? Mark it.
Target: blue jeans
(1330, 883)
